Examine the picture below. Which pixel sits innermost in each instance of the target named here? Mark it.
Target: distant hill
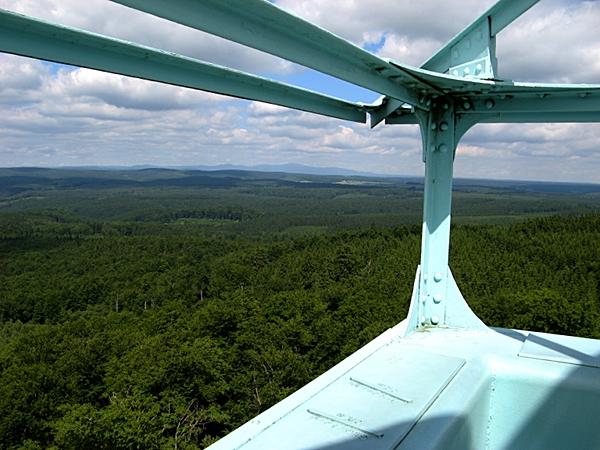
(276, 168)
(17, 179)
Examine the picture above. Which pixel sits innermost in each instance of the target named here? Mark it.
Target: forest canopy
(160, 315)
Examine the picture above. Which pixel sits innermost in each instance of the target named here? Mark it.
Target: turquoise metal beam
(512, 102)
(404, 119)
(436, 299)
(547, 101)
(552, 117)
(490, 109)
(492, 21)
(437, 133)
(489, 96)
(22, 35)
(454, 85)
(264, 26)
(388, 106)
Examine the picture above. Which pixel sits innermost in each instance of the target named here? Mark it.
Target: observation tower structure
(440, 379)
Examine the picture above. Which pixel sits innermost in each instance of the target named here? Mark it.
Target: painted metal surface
(34, 38)
(567, 349)
(262, 25)
(373, 405)
(470, 390)
(477, 40)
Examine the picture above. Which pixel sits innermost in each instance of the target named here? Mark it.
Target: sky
(55, 115)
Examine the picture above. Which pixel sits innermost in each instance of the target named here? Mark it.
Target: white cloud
(112, 19)
(79, 116)
(557, 41)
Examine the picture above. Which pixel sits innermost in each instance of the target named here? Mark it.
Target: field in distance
(275, 203)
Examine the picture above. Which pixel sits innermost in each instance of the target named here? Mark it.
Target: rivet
(489, 103)
(455, 73)
(456, 52)
(466, 105)
(432, 147)
(478, 69)
(444, 126)
(434, 126)
(435, 320)
(422, 320)
(443, 148)
(437, 276)
(422, 100)
(468, 43)
(445, 106)
(466, 71)
(437, 298)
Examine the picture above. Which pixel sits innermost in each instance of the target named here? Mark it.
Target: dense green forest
(162, 309)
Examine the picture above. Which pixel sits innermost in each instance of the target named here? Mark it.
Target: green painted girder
(500, 15)
(541, 100)
(496, 117)
(25, 36)
(544, 103)
(475, 46)
(552, 117)
(261, 25)
(453, 85)
(487, 97)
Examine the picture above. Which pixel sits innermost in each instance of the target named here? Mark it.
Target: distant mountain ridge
(284, 168)
(284, 173)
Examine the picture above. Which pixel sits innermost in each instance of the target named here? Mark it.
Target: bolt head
(443, 148)
(467, 105)
(435, 320)
(437, 276)
(444, 126)
(437, 298)
(489, 103)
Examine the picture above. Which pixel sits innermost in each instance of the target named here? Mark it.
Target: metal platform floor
(439, 388)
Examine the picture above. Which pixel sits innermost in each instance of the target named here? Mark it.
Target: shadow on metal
(532, 417)
(566, 418)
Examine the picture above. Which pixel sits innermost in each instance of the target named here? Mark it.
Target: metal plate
(565, 349)
(373, 406)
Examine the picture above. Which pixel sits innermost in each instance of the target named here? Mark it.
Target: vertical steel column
(438, 154)
(436, 299)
